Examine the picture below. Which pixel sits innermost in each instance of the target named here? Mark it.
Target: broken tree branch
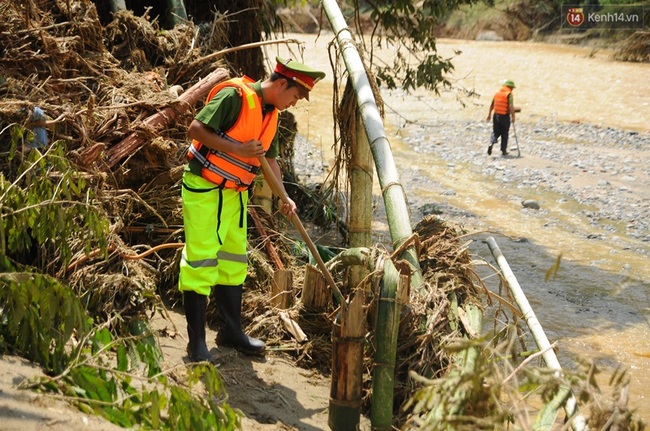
(155, 122)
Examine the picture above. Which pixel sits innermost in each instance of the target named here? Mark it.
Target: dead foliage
(95, 86)
(635, 48)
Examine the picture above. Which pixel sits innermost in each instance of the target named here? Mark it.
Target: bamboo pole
(392, 190)
(177, 13)
(347, 367)
(281, 289)
(386, 333)
(347, 351)
(315, 294)
(361, 177)
(345, 399)
(471, 318)
(547, 416)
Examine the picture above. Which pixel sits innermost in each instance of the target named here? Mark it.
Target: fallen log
(155, 122)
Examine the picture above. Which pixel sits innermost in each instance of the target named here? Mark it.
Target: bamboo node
(343, 403)
(348, 339)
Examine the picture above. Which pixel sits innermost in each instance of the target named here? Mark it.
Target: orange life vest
(229, 170)
(501, 104)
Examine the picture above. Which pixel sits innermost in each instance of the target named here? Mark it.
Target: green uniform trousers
(215, 236)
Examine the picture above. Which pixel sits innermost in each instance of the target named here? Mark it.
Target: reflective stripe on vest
(225, 175)
(501, 105)
(226, 169)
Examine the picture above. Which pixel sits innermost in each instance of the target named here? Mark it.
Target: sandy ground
(272, 393)
(23, 410)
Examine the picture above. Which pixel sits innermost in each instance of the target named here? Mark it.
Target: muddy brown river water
(598, 305)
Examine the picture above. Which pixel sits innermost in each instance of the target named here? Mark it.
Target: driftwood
(292, 327)
(156, 122)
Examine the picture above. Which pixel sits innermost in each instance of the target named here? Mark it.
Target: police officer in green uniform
(237, 126)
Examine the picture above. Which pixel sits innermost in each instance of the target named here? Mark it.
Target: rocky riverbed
(603, 169)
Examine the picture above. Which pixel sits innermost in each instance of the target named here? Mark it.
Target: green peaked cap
(301, 73)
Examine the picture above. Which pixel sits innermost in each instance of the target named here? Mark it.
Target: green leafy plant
(411, 26)
(44, 206)
(125, 396)
(39, 318)
(47, 211)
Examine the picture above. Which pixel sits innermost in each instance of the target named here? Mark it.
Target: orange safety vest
(229, 170)
(501, 105)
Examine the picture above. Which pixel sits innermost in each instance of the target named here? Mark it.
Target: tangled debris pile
(69, 82)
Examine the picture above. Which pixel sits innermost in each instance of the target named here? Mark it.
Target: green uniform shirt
(222, 111)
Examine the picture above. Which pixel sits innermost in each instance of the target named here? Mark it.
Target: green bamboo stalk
(117, 5)
(177, 13)
(564, 397)
(360, 256)
(345, 396)
(361, 176)
(465, 359)
(386, 333)
(392, 190)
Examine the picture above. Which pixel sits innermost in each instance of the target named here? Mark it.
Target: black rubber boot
(229, 301)
(195, 309)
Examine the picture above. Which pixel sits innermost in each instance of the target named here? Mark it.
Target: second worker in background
(504, 114)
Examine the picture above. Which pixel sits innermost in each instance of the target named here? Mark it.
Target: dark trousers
(500, 128)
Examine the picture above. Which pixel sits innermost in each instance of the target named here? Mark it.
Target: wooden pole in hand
(279, 191)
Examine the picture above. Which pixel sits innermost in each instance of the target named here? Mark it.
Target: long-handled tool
(277, 188)
(514, 129)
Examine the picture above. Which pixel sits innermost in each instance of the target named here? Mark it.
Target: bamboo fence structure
(392, 190)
